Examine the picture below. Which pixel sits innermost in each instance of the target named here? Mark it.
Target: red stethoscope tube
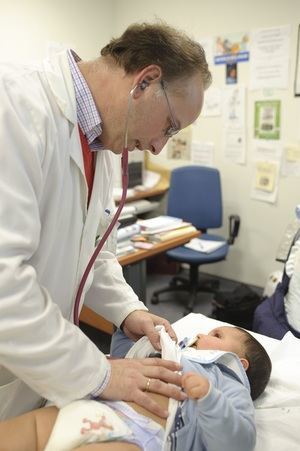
(124, 164)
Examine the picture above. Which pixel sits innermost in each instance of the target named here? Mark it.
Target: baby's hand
(195, 386)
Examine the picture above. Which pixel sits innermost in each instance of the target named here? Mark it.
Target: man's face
(223, 338)
(157, 112)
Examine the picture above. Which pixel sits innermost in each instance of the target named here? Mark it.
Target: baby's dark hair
(260, 365)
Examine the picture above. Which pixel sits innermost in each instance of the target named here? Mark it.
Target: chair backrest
(195, 196)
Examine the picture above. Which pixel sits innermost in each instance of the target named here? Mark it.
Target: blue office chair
(195, 196)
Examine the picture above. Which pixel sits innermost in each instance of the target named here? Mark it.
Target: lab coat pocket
(111, 243)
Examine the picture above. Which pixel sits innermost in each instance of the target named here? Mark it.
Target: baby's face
(223, 338)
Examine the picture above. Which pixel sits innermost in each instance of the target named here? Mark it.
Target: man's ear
(245, 363)
(143, 79)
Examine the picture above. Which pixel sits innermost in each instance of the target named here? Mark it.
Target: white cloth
(47, 238)
(169, 351)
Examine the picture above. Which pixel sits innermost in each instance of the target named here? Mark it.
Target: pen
(186, 342)
(182, 343)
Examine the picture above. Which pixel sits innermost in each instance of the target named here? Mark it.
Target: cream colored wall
(252, 258)
(27, 27)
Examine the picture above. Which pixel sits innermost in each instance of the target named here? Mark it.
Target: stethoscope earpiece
(143, 85)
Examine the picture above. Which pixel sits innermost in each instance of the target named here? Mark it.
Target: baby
(221, 372)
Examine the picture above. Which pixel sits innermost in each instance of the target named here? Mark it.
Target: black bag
(236, 307)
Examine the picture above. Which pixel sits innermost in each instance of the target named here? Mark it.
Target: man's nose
(158, 144)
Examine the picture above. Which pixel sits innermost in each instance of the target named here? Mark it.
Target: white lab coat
(46, 238)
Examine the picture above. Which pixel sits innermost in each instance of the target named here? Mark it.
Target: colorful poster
(267, 119)
(231, 48)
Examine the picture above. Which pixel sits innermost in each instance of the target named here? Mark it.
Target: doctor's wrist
(102, 386)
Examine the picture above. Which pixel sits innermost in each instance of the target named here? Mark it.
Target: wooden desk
(157, 190)
(158, 248)
(91, 318)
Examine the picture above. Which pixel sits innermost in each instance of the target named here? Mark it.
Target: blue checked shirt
(87, 113)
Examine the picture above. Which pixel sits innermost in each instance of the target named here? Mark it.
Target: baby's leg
(28, 432)
(31, 431)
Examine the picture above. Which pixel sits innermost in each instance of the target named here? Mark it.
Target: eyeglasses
(173, 128)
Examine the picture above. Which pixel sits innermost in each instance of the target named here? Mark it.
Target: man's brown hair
(178, 56)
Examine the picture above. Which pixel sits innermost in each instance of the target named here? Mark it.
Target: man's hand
(195, 385)
(140, 322)
(131, 379)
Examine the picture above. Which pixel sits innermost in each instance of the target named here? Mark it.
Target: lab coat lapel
(55, 67)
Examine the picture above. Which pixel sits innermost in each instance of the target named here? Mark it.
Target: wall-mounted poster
(265, 181)
(231, 48)
(270, 57)
(267, 119)
(212, 102)
(179, 147)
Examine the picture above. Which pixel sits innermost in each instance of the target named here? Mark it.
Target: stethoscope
(124, 168)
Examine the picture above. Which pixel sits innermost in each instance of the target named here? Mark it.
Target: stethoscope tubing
(124, 165)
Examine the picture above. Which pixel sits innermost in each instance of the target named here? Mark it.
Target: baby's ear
(245, 363)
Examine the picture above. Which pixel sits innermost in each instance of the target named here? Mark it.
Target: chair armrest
(234, 226)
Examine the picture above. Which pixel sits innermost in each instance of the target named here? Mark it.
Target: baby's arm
(225, 413)
(195, 385)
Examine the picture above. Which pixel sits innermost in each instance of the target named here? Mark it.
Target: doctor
(60, 121)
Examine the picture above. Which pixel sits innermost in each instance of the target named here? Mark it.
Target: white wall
(27, 26)
(252, 258)
(86, 25)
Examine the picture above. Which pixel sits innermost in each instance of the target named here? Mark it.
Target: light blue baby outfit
(221, 421)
